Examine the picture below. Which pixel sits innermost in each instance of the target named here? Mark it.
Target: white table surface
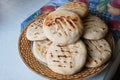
(12, 13)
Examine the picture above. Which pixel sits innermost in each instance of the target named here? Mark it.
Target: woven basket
(27, 56)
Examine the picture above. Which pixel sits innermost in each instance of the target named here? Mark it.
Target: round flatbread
(63, 27)
(35, 29)
(99, 52)
(95, 28)
(40, 49)
(66, 60)
(78, 7)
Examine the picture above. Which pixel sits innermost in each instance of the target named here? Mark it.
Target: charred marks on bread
(48, 23)
(31, 25)
(91, 50)
(36, 27)
(58, 45)
(72, 25)
(56, 61)
(60, 66)
(56, 50)
(107, 50)
(76, 51)
(60, 34)
(64, 49)
(75, 19)
(101, 59)
(95, 30)
(57, 21)
(51, 54)
(62, 56)
(71, 65)
(35, 23)
(103, 29)
(100, 46)
(93, 43)
(96, 61)
(64, 19)
(64, 61)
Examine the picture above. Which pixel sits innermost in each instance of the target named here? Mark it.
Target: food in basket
(67, 59)
(35, 29)
(40, 49)
(99, 52)
(63, 27)
(62, 48)
(95, 28)
(78, 7)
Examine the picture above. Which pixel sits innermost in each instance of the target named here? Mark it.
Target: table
(12, 13)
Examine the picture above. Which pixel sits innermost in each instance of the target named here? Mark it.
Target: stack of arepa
(68, 39)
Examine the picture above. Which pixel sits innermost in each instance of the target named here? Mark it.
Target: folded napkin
(107, 10)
